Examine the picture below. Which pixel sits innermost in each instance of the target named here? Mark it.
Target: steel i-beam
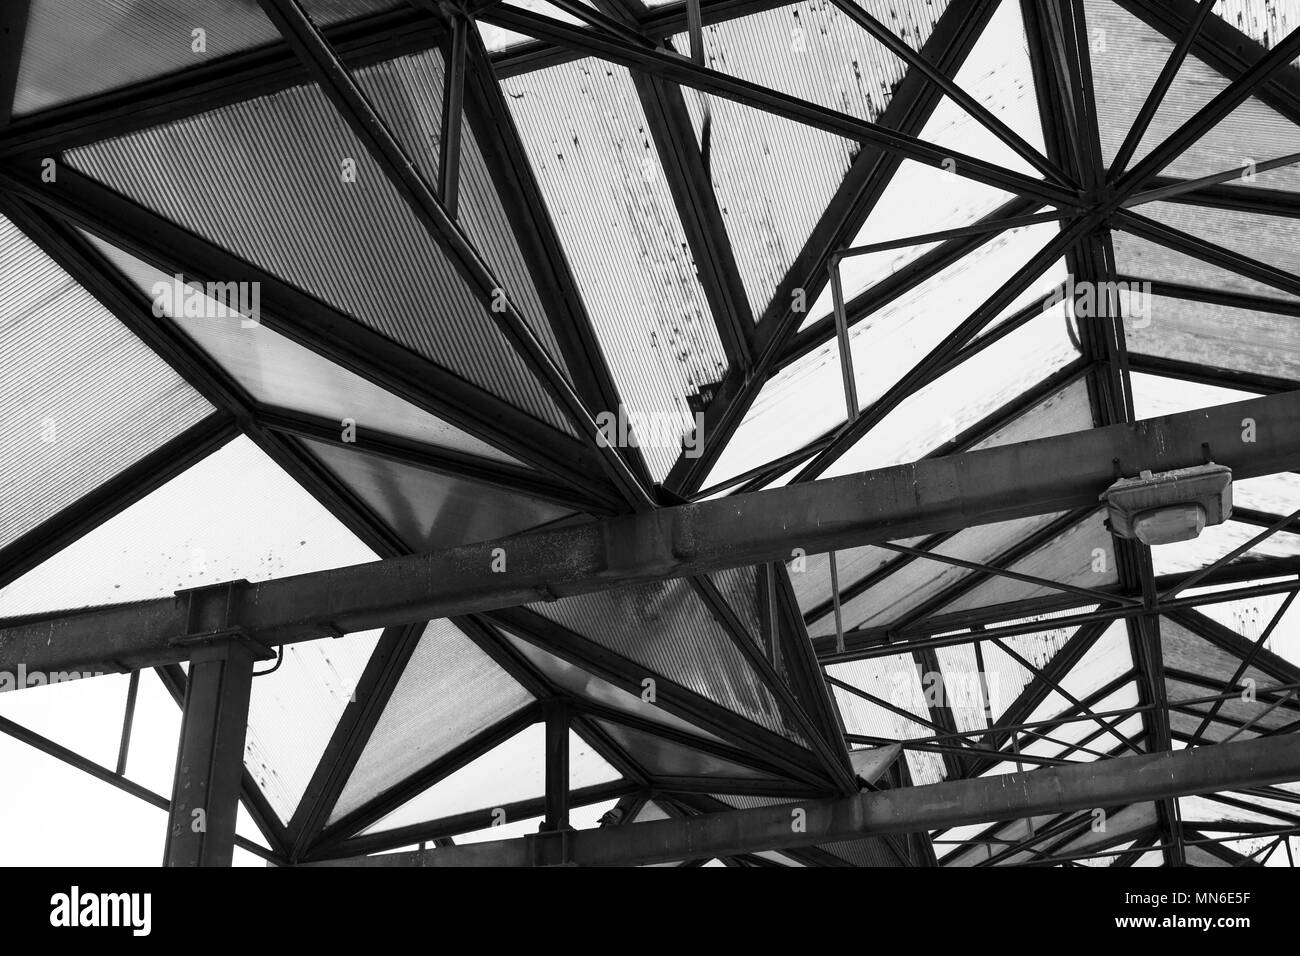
(1049, 791)
(210, 761)
(1255, 437)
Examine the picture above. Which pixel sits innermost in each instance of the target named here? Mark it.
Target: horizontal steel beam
(1255, 437)
(1050, 791)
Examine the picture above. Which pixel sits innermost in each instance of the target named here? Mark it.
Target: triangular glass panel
(282, 182)
(449, 692)
(971, 392)
(279, 372)
(921, 586)
(997, 74)
(1082, 555)
(661, 757)
(1127, 55)
(233, 515)
(513, 771)
(587, 687)
(83, 398)
(804, 400)
(894, 679)
(951, 202)
(1142, 260)
(430, 509)
(665, 627)
(586, 135)
(1215, 336)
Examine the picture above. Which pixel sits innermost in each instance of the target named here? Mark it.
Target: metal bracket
(210, 618)
(550, 848)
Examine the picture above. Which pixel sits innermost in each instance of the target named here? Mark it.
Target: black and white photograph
(536, 434)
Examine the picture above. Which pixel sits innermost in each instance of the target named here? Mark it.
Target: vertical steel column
(556, 714)
(128, 718)
(210, 760)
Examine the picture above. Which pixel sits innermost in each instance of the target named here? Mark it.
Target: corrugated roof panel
(1157, 395)
(810, 49)
(665, 627)
(1146, 260)
(1187, 651)
(1271, 240)
(1185, 724)
(968, 694)
(1132, 820)
(1005, 678)
(1082, 555)
(1060, 413)
(586, 137)
(278, 371)
(82, 398)
(739, 586)
(1234, 710)
(1216, 541)
(265, 179)
(998, 75)
(585, 685)
(1249, 617)
(872, 853)
(810, 575)
(813, 51)
(1204, 809)
(895, 679)
(1214, 335)
(921, 579)
(511, 771)
(430, 510)
(449, 691)
(1126, 61)
(1267, 22)
(665, 758)
(75, 49)
(1108, 659)
(407, 92)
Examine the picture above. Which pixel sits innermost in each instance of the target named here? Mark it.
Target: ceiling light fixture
(1170, 506)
